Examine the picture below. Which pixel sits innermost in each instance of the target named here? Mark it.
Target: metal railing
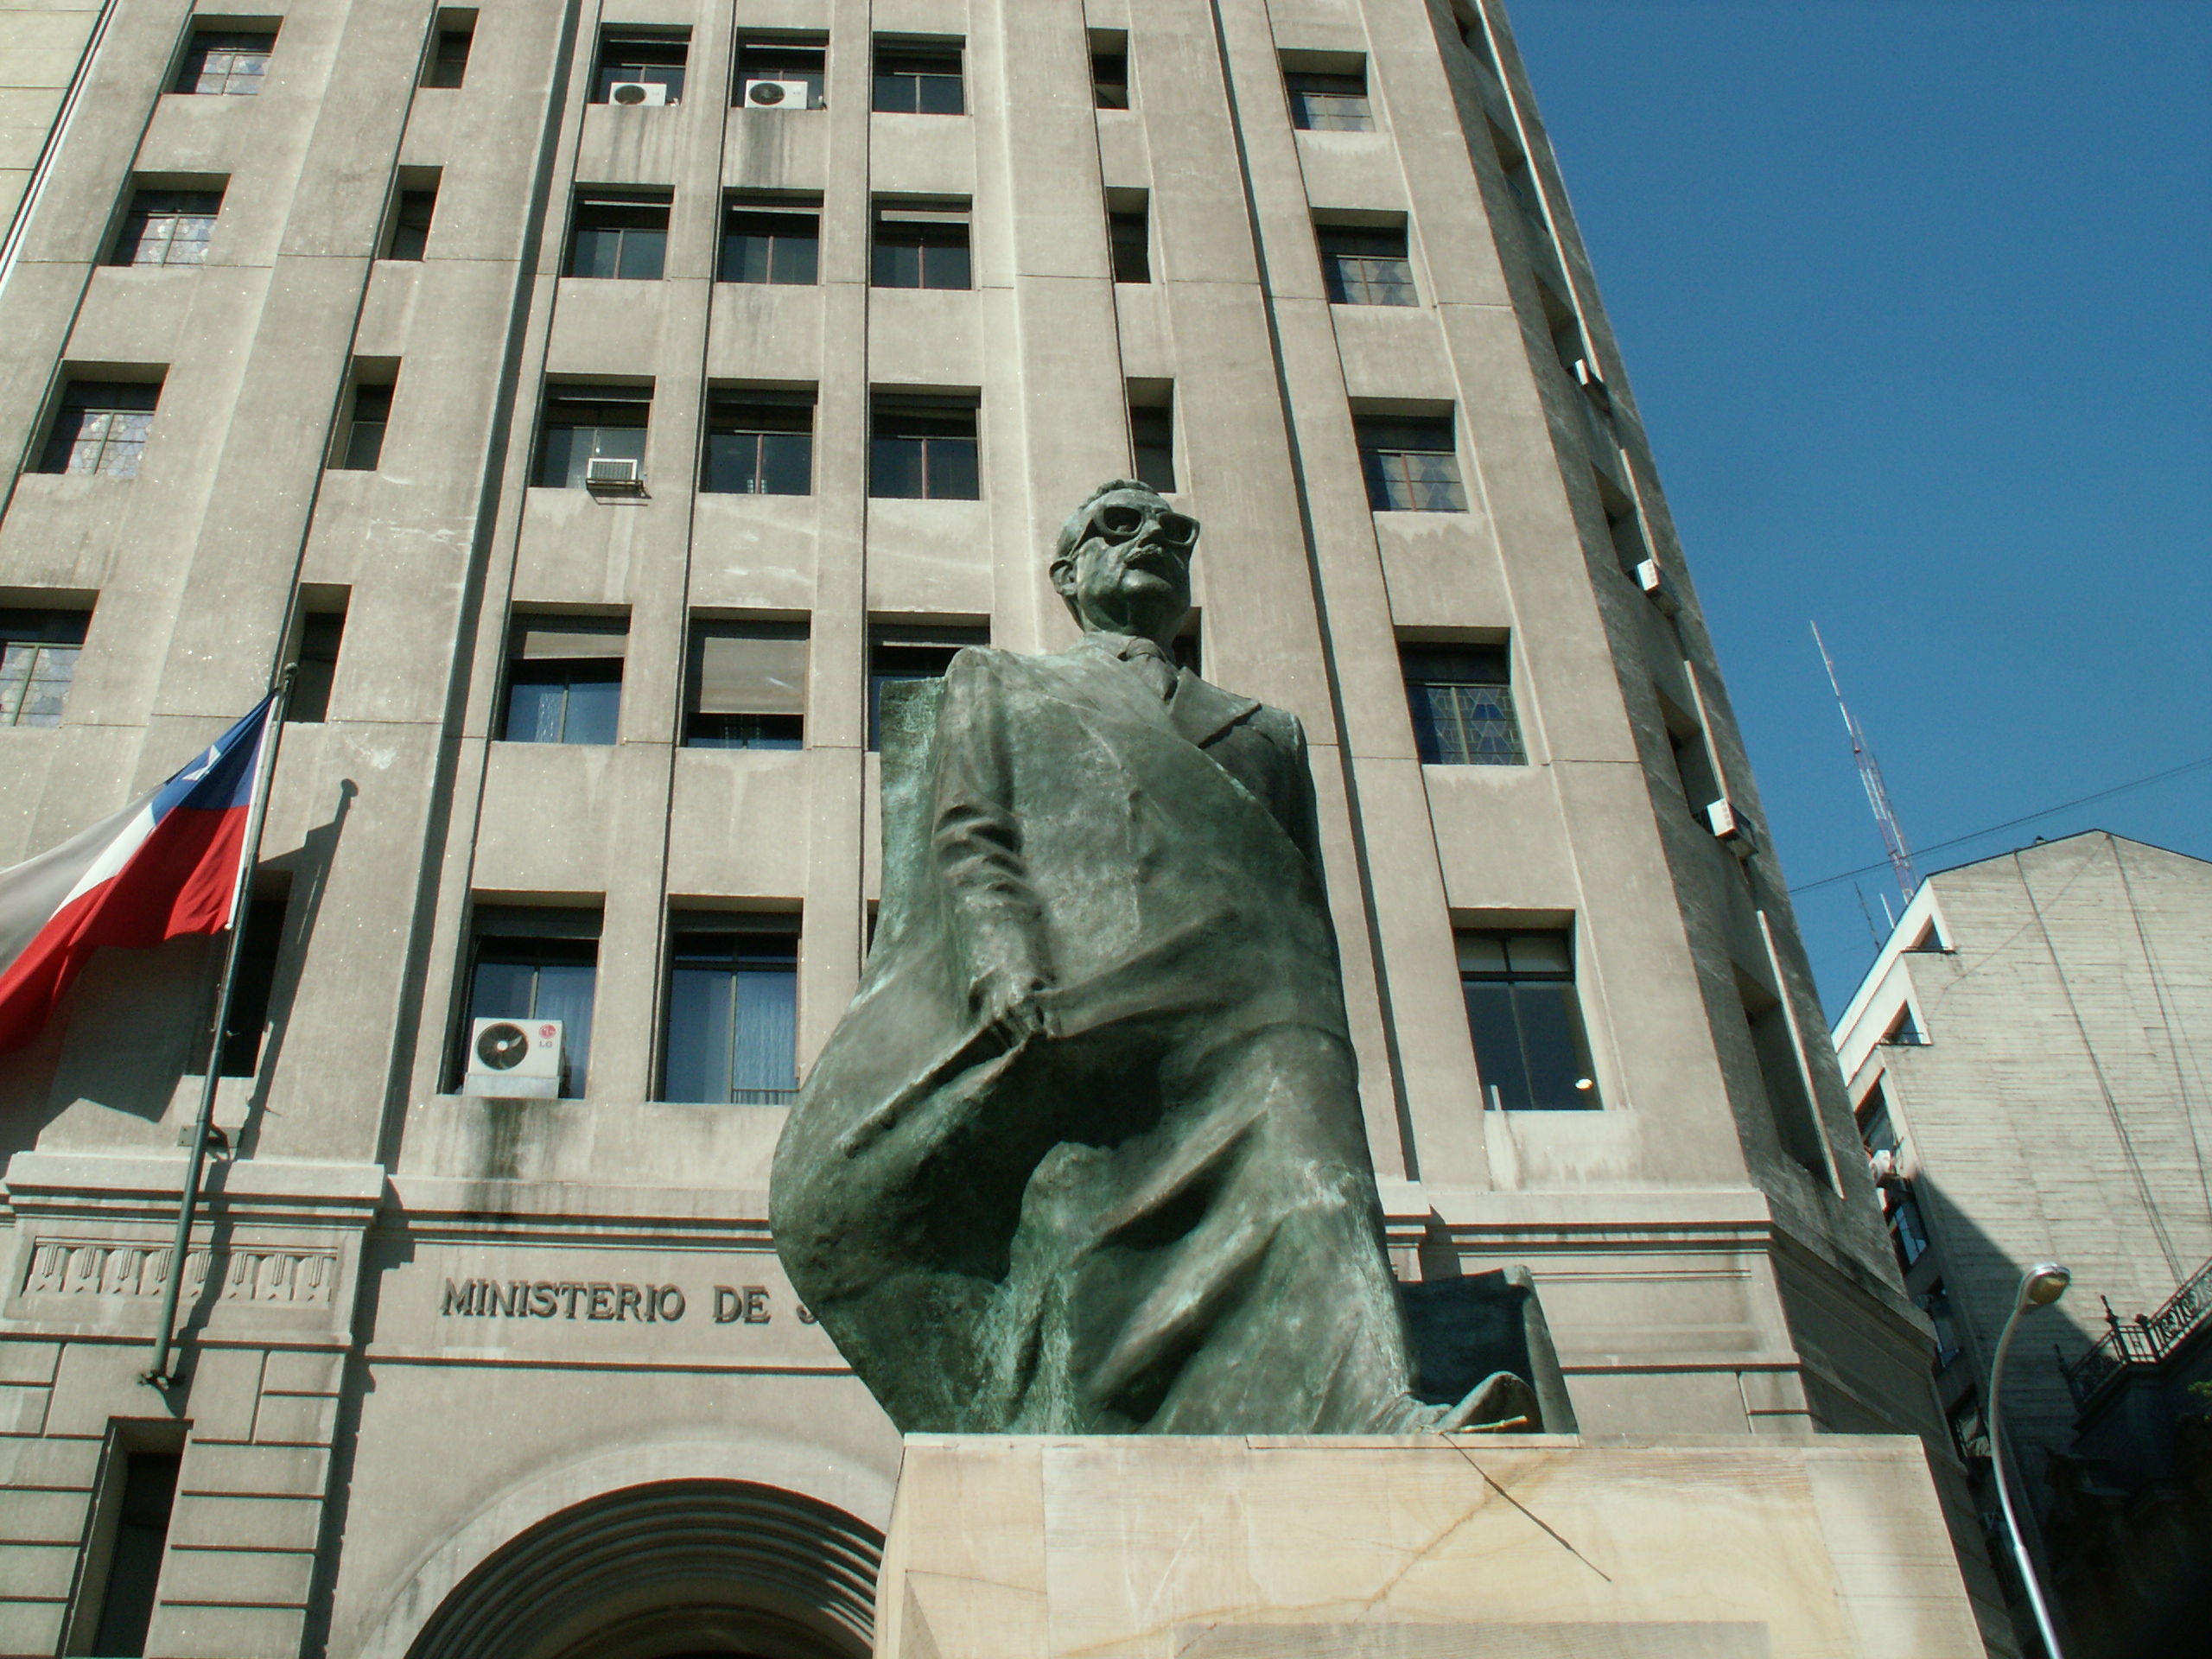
(2144, 1340)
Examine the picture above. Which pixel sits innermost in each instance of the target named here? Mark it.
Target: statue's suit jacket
(1159, 1213)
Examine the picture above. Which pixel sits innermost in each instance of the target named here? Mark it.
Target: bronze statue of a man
(1085, 1154)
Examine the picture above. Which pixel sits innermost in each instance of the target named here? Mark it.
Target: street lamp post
(2040, 1286)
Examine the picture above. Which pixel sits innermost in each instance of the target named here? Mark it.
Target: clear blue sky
(1914, 298)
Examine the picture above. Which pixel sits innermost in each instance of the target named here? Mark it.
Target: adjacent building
(599, 405)
(2027, 1061)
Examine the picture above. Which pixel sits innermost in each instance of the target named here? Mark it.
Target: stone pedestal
(1524, 1547)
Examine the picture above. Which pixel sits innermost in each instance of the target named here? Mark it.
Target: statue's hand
(1012, 1005)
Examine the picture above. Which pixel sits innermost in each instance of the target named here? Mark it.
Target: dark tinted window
(533, 964)
(1366, 265)
(733, 1012)
(619, 233)
(1329, 103)
(766, 241)
(101, 427)
(921, 246)
(38, 664)
(219, 61)
(916, 81)
(640, 69)
(1527, 1022)
(588, 423)
(565, 680)
(1411, 464)
(923, 448)
(759, 444)
(899, 652)
(168, 227)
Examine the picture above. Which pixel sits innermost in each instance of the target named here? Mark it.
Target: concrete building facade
(2025, 1059)
(619, 426)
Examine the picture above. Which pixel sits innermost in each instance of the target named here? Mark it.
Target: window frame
(593, 203)
(1442, 727)
(1388, 444)
(31, 636)
(1338, 116)
(737, 207)
(753, 54)
(1380, 272)
(568, 670)
(920, 66)
(937, 450)
(542, 938)
(928, 228)
(665, 61)
(138, 215)
(928, 649)
(1535, 995)
(756, 407)
(137, 402)
(563, 395)
(204, 41)
(783, 935)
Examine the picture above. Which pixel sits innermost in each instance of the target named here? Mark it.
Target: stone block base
(1521, 1546)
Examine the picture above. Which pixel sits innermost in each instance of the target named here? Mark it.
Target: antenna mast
(1870, 774)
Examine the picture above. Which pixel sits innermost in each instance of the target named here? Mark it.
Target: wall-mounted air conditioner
(1651, 576)
(1731, 826)
(777, 95)
(514, 1059)
(1587, 378)
(637, 91)
(614, 473)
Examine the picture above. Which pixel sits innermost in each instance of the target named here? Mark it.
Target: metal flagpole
(241, 894)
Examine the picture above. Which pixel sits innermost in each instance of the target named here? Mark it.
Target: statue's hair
(1071, 535)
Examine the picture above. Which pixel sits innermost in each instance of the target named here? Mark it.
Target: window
(530, 963)
(1109, 68)
(448, 64)
(745, 686)
(1781, 1073)
(101, 427)
(917, 79)
(781, 74)
(1622, 524)
(921, 244)
(1410, 463)
(1969, 1432)
(564, 679)
(167, 227)
(1936, 1303)
(1365, 264)
(899, 652)
(1329, 103)
(1904, 1031)
(225, 61)
(640, 69)
(360, 444)
(143, 1495)
(1461, 699)
(586, 423)
(1530, 1048)
(1521, 183)
(771, 240)
(412, 212)
(923, 449)
(321, 628)
(247, 1021)
(1129, 234)
(1152, 432)
(758, 443)
(733, 1010)
(1876, 1127)
(1908, 1230)
(38, 664)
(1473, 36)
(619, 233)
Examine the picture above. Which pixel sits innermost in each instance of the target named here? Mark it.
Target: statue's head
(1123, 561)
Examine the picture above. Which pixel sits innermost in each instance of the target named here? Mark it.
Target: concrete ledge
(1539, 1547)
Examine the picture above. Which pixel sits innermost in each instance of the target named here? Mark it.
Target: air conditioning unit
(1587, 378)
(777, 95)
(514, 1059)
(637, 91)
(1651, 576)
(1729, 825)
(614, 473)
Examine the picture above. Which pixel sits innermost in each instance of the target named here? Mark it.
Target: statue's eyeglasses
(1119, 522)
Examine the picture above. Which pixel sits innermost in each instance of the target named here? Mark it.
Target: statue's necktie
(1150, 661)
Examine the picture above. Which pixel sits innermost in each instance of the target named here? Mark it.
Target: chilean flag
(164, 867)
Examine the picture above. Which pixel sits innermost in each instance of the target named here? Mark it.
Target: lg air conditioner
(514, 1059)
(614, 473)
(777, 95)
(637, 91)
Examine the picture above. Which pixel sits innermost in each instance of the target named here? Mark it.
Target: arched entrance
(678, 1569)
